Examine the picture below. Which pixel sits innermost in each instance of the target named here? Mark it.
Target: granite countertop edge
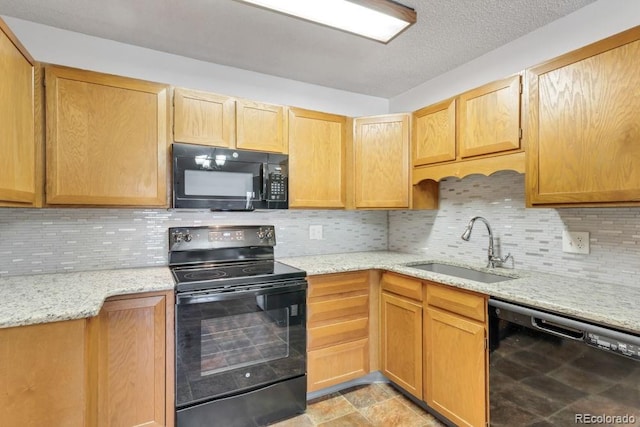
(591, 301)
(43, 298)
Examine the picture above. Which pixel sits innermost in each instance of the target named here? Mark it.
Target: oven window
(213, 183)
(239, 343)
(243, 340)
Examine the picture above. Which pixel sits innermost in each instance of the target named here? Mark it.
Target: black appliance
(228, 180)
(240, 328)
(551, 370)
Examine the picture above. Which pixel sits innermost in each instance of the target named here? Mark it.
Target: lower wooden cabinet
(337, 364)
(43, 375)
(338, 328)
(131, 369)
(456, 355)
(401, 342)
(115, 369)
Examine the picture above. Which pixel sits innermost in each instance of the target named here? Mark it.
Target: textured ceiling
(448, 33)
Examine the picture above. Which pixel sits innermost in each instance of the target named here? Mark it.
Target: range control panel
(612, 344)
(216, 237)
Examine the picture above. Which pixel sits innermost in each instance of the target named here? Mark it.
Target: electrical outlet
(575, 242)
(315, 232)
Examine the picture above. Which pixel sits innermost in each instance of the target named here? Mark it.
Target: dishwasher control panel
(613, 345)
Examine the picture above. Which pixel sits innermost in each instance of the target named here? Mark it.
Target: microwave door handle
(249, 201)
(263, 180)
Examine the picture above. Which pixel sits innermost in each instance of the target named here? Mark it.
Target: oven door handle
(204, 297)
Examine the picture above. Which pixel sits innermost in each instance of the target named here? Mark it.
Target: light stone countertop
(26, 300)
(608, 304)
(43, 298)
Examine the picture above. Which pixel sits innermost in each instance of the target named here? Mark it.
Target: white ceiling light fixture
(380, 20)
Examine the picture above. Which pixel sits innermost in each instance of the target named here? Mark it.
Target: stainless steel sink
(461, 272)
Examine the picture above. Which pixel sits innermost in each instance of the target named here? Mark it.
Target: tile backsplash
(533, 236)
(57, 240)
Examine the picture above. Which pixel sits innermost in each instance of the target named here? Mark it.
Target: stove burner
(205, 275)
(257, 269)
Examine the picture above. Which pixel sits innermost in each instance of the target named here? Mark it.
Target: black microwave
(224, 179)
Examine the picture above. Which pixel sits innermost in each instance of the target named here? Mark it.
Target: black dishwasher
(550, 370)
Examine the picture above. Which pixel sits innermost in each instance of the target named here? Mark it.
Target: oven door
(235, 342)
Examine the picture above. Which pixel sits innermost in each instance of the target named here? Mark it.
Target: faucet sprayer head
(467, 234)
(467, 231)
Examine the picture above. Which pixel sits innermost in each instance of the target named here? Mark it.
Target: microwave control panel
(276, 186)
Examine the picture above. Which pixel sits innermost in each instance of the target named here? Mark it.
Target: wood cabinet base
(115, 369)
(336, 364)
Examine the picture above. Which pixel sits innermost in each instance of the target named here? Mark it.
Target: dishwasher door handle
(558, 330)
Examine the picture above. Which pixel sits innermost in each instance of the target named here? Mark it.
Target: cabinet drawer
(405, 286)
(333, 284)
(337, 333)
(457, 301)
(337, 364)
(332, 309)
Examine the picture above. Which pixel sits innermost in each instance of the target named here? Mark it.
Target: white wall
(594, 22)
(56, 46)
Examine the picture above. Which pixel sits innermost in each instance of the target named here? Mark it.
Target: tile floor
(376, 404)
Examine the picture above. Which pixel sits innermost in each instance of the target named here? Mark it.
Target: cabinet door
(131, 368)
(43, 375)
(489, 119)
(106, 139)
(336, 364)
(260, 127)
(434, 133)
(381, 151)
(583, 128)
(455, 365)
(17, 117)
(401, 342)
(204, 118)
(317, 165)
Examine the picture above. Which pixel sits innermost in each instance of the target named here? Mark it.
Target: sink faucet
(492, 259)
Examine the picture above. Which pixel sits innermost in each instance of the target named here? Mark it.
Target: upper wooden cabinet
(317, 159)
(260, 127)
(583, 132)
(20, 167)
(106, 139)
(204, 118)
(381, 157)
(434, 133)
(489, 118)
(478, 131)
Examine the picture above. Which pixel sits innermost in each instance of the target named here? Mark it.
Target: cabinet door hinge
(486, 343)
(520, 133)
(521, 87)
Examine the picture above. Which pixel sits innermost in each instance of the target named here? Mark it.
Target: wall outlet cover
(315, 232)
(575, 242)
